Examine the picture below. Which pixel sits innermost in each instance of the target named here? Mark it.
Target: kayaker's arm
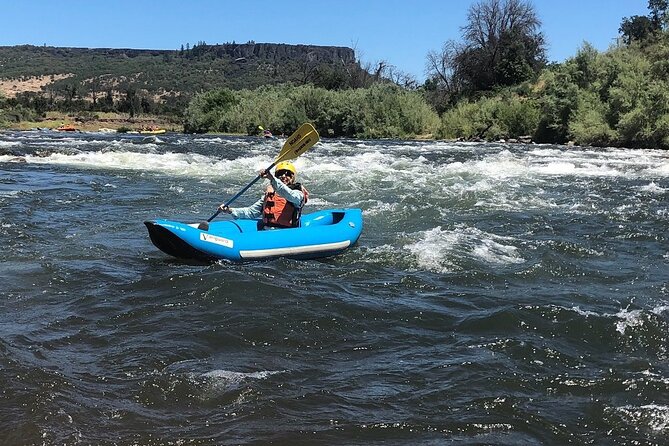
(250, 212)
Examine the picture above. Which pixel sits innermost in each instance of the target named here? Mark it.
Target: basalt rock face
(250, 49)
(267, 51)
(280, 51)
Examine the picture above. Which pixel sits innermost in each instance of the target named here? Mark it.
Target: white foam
(625, 318)
(10, 194)
(381, 208)
(585, 313)
(215, 383)
(654, 416)
(544, 162)
(628, 319)
(237, 377)
(661, 309)
(11, 159)
(661, 170)
(440, 250)
(395, 177)
(177, 164)
(653, 188)
(209, 140)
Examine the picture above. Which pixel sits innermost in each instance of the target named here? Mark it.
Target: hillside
(164, 76)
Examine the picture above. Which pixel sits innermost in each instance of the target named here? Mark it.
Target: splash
(628, 320)
(653, 416)
(448, 251)
(652, 188)
(237, 377)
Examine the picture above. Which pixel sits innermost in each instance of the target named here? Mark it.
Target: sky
(401, 33)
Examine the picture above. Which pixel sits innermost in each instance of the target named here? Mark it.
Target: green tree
(558, 100)
(383, 110)
(131, 103)
(636, 29)
(659, 14)
(444, 84)
(642, 28)
(206, 110)
(589, 124)
(107, 104)
(502, 46)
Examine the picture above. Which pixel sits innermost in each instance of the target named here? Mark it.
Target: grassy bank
(93, 122)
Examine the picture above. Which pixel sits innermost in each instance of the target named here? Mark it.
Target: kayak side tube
(321, 234)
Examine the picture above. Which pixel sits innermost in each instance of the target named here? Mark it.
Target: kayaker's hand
(225, 209)
(265, 174)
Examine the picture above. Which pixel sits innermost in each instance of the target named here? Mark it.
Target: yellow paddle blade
(299, 142)
(299, 148)
(299, 134)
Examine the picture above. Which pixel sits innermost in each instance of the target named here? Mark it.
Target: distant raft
(67, 128)
(152, 131)
(321, 234)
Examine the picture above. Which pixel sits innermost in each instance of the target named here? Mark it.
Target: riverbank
(116, 121)
(94, 122)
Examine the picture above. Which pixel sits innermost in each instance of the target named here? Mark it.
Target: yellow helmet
(285, 165)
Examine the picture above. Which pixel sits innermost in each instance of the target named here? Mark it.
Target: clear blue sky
(399, 32)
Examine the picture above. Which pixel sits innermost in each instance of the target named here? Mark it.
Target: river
(499, 294)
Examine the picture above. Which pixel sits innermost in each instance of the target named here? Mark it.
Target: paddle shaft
(229, 202)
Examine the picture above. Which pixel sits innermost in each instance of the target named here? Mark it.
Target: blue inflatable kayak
(321, 234)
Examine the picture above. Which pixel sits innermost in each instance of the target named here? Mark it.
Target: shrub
(588, 125)
(517, 116)
(381, 111)
(508, 116)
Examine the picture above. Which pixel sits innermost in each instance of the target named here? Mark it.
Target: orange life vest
(279, 212)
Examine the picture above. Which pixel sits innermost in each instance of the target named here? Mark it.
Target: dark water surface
(499, 294)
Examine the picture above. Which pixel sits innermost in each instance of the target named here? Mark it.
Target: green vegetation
(507, 116)
(616, 98)
(15, 113)
(494, 84)
(383, 110)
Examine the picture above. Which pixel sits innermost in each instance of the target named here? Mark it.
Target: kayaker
(281, 204)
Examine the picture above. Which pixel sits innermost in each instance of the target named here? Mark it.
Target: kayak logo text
(216, 239)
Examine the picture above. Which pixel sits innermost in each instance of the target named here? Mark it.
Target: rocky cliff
(13, 57)
(280, 51)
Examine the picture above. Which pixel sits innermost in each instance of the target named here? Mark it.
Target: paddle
(299, 142)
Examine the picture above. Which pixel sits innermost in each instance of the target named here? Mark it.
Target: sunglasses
(283, 172)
